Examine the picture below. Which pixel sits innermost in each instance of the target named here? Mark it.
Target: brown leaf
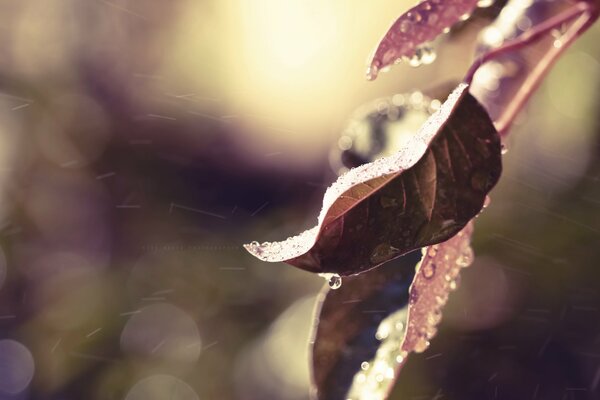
(366, 329)
(422, 23)
(422, 195)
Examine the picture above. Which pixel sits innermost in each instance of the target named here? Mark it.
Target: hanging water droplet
(427, 54)
(503, 149)
(485, 3)
(428, 270)
(335, 281)
(255, 244)
(372, 72)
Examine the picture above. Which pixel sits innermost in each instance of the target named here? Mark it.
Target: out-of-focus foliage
(142, 142)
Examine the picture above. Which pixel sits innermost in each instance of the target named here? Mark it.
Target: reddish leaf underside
(365, 330)
(421, 24)
(422, 195)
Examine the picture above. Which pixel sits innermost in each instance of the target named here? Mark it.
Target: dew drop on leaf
(428, 270)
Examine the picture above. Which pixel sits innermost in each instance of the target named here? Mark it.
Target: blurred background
(142, 142)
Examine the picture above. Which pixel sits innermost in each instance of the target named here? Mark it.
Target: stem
(586, 14)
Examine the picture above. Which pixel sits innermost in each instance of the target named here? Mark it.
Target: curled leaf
(421, 24)
(365, 330)
(422, 195)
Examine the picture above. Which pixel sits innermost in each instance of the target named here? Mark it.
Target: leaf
(422, 195)
(366, 329)
(421, 24)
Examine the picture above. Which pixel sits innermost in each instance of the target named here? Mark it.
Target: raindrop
(428, 270)
(466, 257)
(372, 72)
(333, 280)
(426, 54)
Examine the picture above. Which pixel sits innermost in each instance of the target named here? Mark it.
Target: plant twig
(585, 14)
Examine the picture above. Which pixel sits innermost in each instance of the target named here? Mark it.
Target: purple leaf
(421, 24)
(422, 195)
(366, 329)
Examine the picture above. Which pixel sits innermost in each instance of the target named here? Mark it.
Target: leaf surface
(422, 195)
(422, 23)
(365, 330)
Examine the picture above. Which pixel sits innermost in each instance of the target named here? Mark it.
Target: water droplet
(428, 270)
(399, 359)
(464, 17)
(421, 345)
(255, 244)
(427, 54)
(364, 365)
(485, 3)
(466, 257)
(453, 285)
(503, 149)
(372, 72)
(335, 281)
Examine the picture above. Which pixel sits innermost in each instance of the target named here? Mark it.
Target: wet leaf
(422, 195)
(419, 25)
(365, 330)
